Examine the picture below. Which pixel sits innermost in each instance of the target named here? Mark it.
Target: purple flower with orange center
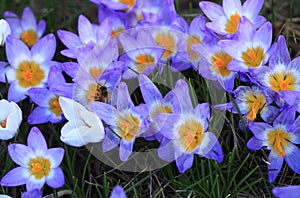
(142, 54)
(215, 64)
(251, 102)
(28, 67)
(25, 28)
(282, 73)
(120, 5)
(225, 20)
(38, 164)
(88, 36)
(251, 49)
(185, 131)
(280, 138)
(126, 122)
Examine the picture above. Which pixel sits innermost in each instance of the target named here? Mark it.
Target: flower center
(278, 140)
(232, 24)
(3, 123)
(128, 126)
(161, 109)
(190, 134)
(55, 107)
(29, 74)
(253, 57)
(130, 3)
(255, 103)
(191, 41)
(39, 167)
(282, 81)
(96, 72)
(115, 32)
(220, 60)
(29, 37)
(143, 61)
(167, 41)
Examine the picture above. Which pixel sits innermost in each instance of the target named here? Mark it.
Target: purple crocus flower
(280, 138)
(118, 192)
(89, 35)
(225, 20)
(126, 122)
(28, 67)
(120, 5)
(38, 164)
(186, 131)
(250, 49)
(286, 191)
(25, 28)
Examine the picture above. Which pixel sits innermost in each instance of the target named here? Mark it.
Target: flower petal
(292, 158)
(255, 144)
(275, 166)
(55, 155)
(44, 49)
(33, 183)
(16, 177)
(20, 154)
(125, 149)
(149, 91)
(39, 115)
(28, 20)
(184, 162)
(37, 142)
(287, 191)
(16, 51)
(55, 179)
(118, 192)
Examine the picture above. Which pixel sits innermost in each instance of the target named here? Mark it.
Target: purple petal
(16, 51)
(259, 129)
(182, 94)
(292, 158)
(55, 155)
(287, 191)
(110, 141)
(69, 39)
(251, 8)
(149, 91)
(165, 124)
(55, 179)
(125, 149)
(105, 112)
(16, 177)
(55, 76)
(212, 10)
(281, 55)
(286, 117)
(184, 162)
(28, 20)
(103, 32)
(36, 141)
(39, 115)
(40, 29)
(118, 192)
(85, 30)
(20, 154)
(41, 96)
(44, 49)
(70, 68)
(263, 36)
(63, 89)
(33, 183)
(123, 99)
(36, 193)
(166, 150)
(215, 152)
(275, 166)
(255, 144)
(269, 113)
(15, 92)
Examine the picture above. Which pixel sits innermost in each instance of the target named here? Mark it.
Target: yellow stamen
(191, 134)
(161, 109)
(29, 37)
(39, 167)
(282, 81)
(55, 106)
(278, 140)
(29, 74)
(253, 57)
(221, 60)
(143, 61)
(255, 103)
(129, 126)
(191, 41)
(167, 41)
(96, 72)
(130, 3)
(232, 24)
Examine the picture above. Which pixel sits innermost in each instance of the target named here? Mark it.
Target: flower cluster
(133, 40)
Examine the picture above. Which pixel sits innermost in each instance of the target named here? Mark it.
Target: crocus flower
(89, 35)
(126, 122)
(83, 126)
(118, 192)
(10, 119)
(214, 65)
(142, 54)
(4, 31)
(280, 138)
(28, 68)
(186, 132)
(251, 49)
(38, 164)
(25, 28)
(282, 73)
(251, 101)
(119, 5)
(286, 191)
(225, 20)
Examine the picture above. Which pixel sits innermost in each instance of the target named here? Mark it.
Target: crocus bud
(4, 31)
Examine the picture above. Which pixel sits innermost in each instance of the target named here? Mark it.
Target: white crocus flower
(10, 119)
(83, 127)
(4, 31)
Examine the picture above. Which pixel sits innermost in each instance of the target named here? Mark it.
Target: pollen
(129, 126)
(29, 37)
(29, 74)
(130, 3)
(255, 103)
(143, 61)
(55, 107)
(3, 123)
(161, 109)
(282, 81)
(39, 167)
(167, 41)
(116, 32)
(96, 72)
(278, 140)
(253, 57)
(220, 62)
(190, 134)
(191, 41)
(232, 23)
